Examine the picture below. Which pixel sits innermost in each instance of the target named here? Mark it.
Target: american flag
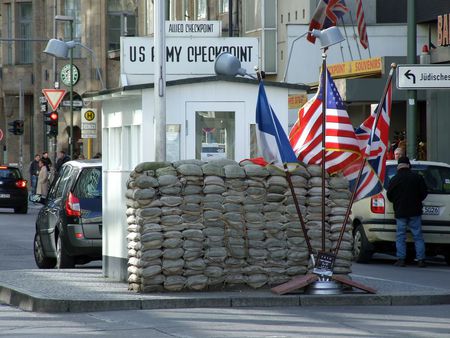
(363, 39)
(342, 146)
(326, 15)
(374, 145)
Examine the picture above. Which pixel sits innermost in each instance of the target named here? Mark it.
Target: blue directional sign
(423, 76)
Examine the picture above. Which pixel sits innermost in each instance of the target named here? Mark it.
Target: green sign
(65, 74)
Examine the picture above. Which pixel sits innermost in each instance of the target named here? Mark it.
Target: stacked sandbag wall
(195, 225)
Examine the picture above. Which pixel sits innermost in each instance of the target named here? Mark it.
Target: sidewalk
(86, 290)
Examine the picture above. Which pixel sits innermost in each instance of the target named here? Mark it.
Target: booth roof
(103, 94)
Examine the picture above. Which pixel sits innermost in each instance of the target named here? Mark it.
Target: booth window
(214, 135)
(173, 142)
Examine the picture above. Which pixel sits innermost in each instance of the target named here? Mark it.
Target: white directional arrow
(423, 76)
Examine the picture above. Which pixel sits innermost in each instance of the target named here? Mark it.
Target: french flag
(273, 144)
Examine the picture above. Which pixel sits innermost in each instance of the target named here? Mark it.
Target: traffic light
(51, 120)
(17, 127)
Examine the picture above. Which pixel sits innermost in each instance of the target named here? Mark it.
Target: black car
(13, 189)
(69, 225)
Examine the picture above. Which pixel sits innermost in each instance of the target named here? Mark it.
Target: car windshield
(9, 173)
(437, 178)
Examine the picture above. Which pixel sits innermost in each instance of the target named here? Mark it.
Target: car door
(88, 190)
(50, 214)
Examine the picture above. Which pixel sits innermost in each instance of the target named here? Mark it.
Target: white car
(374, 226)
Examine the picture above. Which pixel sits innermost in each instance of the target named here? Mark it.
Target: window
(215, 135)
(25, 32)
(72, 8)
(202, 10)
(9, 34)
(223, 6)
(121, 22)
(89, 184)
(261, 16)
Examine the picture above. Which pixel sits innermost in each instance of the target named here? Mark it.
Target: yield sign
(54, 96)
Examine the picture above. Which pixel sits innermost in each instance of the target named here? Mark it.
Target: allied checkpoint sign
(423, 76)
(88, 123)
(186, 55)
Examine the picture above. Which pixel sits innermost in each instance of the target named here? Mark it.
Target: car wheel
(41, 260)
(362, 249)
(63, 261)
(21, 210)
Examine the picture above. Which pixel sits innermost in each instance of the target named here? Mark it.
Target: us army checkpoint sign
(423, 76)
(88, 123)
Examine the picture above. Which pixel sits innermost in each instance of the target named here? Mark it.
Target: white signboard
(88, 123)
(194, 28)
(186, 56)
(423, 76)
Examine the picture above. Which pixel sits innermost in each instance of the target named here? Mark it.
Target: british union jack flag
(374, 145)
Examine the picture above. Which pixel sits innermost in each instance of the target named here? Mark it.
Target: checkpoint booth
(206, 118)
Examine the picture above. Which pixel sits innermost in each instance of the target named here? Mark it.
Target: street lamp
(51, 51)
(63, 49)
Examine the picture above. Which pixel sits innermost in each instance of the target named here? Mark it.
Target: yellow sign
(372, 66)
(89, 115)
(296, 101)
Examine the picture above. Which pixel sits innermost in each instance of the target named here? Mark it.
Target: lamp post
(51, 51)
(62, 49)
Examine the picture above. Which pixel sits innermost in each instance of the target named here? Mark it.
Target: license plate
(433, 211)
(5, 195)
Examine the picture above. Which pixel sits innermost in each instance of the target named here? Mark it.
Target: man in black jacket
(406, 191)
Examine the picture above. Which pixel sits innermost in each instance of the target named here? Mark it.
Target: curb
(36, 303)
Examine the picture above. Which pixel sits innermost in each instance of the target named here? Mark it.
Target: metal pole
(411, 112)
(230, 18)
(71, 138)
(324, 121)
(21, 117)
(160, 82)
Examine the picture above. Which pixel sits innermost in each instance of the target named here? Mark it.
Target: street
(16, 250)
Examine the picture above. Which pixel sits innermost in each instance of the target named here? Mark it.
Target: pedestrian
(61, 159)
(47, 160)
(81, 157)
(406, 191)
(34, 173)
(42, 183)
(399, 152)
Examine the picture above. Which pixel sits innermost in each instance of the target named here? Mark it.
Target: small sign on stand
(324, 264)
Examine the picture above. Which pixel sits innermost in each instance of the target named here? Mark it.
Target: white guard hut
(206, 117)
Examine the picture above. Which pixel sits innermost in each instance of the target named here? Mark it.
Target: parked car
(69, 225)
(374, 227)
(13, 189)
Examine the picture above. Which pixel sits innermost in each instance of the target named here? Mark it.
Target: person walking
(62, 158)
(47, 160)
(34, 173)
(42, 183)
(406, 191)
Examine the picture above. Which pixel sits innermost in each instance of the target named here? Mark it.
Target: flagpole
(377, 117)
(324, 109)
(354, 35)
(346, 38)
(291, 186)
